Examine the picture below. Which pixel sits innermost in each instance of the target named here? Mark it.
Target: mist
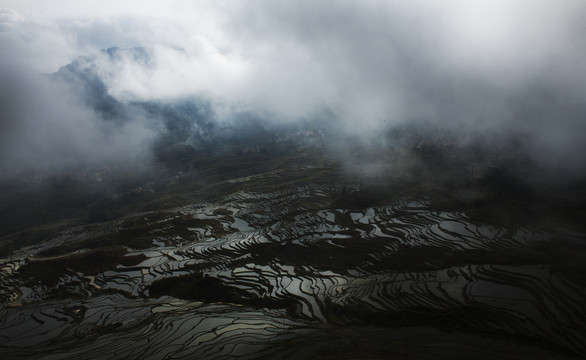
(476, 68)
(46, 127)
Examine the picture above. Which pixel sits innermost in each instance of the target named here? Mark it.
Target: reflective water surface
(288, 273)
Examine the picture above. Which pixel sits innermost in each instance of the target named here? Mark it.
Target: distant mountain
(83, 74)
(186, 126)
(87, 75)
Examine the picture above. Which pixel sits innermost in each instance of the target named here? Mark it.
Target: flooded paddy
(289, 272)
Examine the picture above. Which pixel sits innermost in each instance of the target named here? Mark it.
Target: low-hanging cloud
(45, 126)
(476, 66)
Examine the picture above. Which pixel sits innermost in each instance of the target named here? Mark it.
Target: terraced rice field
(276, 269)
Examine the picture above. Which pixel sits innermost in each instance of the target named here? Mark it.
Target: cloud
(45, 126)
(409, 56)
(478, 66)
(198, 69)
(9, 18)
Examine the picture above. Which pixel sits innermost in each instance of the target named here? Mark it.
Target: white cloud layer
(488, 65)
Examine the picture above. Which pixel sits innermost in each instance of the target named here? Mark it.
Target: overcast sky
(493, 65)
